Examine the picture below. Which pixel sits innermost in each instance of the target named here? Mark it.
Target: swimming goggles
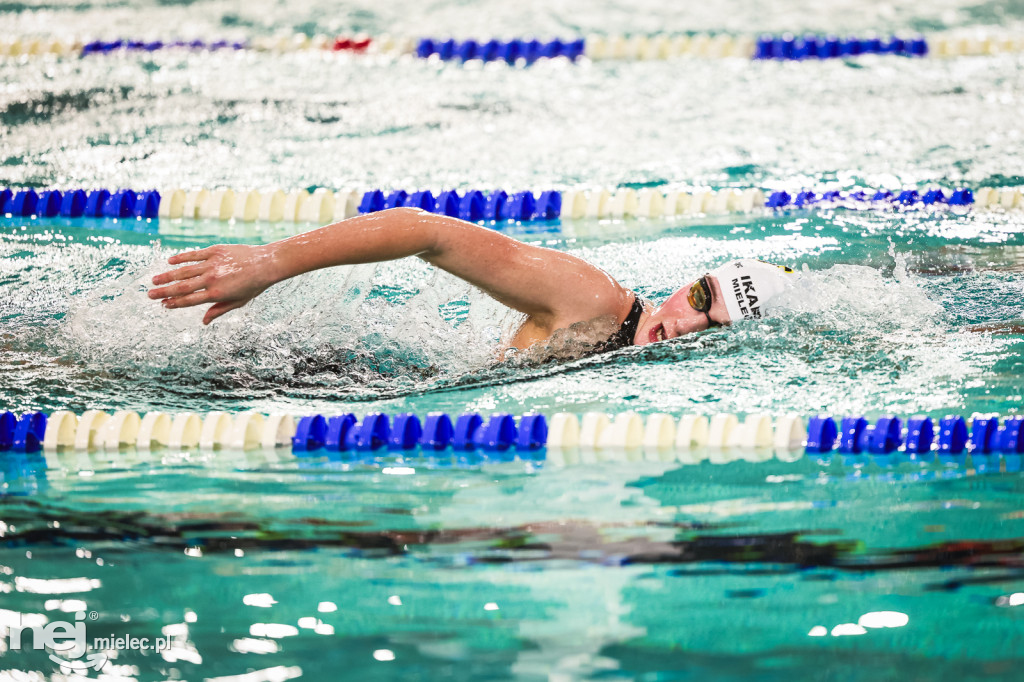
(699, 297)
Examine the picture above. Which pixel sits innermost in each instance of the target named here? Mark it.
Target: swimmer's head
(735, 291)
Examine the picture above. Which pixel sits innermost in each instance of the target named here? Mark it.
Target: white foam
(328, 324)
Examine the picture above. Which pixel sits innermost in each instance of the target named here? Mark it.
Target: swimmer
(555, 290)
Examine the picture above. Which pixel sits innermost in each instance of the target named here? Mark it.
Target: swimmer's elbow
(419, 227)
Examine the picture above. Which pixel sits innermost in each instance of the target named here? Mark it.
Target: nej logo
(69, 644)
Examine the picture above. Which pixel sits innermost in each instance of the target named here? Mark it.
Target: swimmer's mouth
(658, 333)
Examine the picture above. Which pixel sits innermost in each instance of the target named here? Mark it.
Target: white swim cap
(747, 284)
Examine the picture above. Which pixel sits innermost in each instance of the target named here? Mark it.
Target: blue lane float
(22, 434)
(109, 46)
(466, 427)
(983, 435)
(1010, 436)
(498, 435)
(521, 207)
(533, 432)
(7, 424)
(908, 198)
(423, 200)
(49, 203)
(920, 435)
(473, 205)
(487, 52)
(371, 434)
(338, 429)
(310, 434)
(372, 201)
(94, 203)
(1011, 443)
(446, 49)
(851, 434)
(805, 198)
(821, 434)
(120, 204)
(495, 209)
(405, 432)
(788, 47)
(857, 436)
(147, 204)
(438, 432)
(778, 200)
(29, 432)
(24, 203)
(448, 204)
(962, 197)
(885, 436)
(395, 199)
(510, 51)
(951, 437)
(344, 433)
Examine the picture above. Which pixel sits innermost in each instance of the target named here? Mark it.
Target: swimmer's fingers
(191, 256)
(188, 300)
(182, 288)
(218, 309)
(187, 272)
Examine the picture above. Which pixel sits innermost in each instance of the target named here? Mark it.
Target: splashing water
(843, 336)
(360, 330)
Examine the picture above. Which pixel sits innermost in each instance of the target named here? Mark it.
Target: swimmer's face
(676, 317)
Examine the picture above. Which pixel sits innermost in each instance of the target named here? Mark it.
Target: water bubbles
(359, 331)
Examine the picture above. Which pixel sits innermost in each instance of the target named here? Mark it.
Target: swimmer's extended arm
(555, 289)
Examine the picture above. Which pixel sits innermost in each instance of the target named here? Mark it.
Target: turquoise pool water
(266, 566)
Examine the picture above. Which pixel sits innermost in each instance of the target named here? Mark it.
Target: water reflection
(579, 570)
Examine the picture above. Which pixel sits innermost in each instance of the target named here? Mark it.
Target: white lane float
(89, 425)
(154, 431)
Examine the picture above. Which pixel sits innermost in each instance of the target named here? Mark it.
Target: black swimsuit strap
(624, 336)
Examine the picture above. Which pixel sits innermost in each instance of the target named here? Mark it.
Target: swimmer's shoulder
(592, 322)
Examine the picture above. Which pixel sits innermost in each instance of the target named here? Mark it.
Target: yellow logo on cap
(784, 268)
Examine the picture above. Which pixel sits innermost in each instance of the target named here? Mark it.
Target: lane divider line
(126, 206)
(982, 443)
(526, 51)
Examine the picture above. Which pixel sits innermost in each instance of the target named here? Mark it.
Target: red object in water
(342, 44)
(360, 45)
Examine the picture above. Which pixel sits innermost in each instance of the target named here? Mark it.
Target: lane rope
(525, 51)
(497, 207)
(992, 443)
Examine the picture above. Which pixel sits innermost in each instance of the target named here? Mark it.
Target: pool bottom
(327, 614)
(608, 570)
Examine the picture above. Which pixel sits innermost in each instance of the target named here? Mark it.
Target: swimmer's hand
(227, 275)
